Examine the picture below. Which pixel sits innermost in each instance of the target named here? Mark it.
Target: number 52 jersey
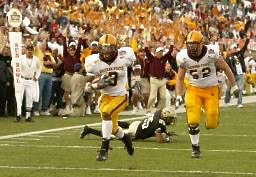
(116, 70)
(201, 73)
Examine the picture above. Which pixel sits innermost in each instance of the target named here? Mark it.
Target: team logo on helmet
(168, 114)
(108, 48)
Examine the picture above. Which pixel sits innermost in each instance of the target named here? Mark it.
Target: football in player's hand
(101, 82)
(96, 80)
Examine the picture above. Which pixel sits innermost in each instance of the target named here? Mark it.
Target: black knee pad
(193, 129)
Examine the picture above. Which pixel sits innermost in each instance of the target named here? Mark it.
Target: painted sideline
(56, 129)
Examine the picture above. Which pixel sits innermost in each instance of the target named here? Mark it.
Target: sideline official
(30, 72)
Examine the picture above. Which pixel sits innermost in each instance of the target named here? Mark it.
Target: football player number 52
(205, 71)
(113, 76)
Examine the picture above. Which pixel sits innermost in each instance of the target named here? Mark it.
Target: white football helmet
(168, 114)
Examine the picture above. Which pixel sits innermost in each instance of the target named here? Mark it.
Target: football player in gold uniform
(109, 67)
(199, 63)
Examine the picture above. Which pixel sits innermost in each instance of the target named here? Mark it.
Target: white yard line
(56, 130)
(12, 142)
(183, 134)
(131, 170)
(44, 136)
(28, 139)
(59, 133)
(121, 147)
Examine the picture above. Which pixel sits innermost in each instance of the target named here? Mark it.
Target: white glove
(178, 101)
(235, 91)
(88, 87)
(104, 82)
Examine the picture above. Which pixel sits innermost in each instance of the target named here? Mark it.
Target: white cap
(158, 49)
(94, 43)
(136, 67)
(233, 46)
(73, 43)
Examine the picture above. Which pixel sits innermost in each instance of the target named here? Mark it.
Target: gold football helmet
(108, 48)
(195, 41)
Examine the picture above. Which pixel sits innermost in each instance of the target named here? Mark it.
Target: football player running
(155, 126)
(199, 63)
(108, 73)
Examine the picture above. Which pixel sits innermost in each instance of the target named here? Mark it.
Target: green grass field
(228, 151)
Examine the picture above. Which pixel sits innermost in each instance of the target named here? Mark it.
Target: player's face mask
(194, 43)
(194, 49)
(107, 52)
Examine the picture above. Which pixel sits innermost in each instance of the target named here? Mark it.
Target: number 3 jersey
(148, 126)
(201, 73)
(117, 70)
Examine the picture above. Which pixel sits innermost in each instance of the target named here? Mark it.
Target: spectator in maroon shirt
(157, 73)
(71, 55)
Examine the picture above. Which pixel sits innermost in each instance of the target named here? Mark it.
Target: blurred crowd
(58, 27)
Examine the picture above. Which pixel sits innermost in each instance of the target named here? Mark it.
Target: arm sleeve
(149, 54)
(242, 51)
(65, 47)
(90, 66)
(163, 128)
(79, 45)
(180, 61)
(168, 55)
(130, 56)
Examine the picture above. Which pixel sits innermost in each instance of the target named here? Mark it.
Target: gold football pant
(206, 98)
(253, 77)
(113, 105)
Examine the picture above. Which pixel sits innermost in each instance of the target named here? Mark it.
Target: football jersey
(200, 73)
(30, 67)
(117, 70)
(148, 126)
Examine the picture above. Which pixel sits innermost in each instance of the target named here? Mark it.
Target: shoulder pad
(181, 56)
(90, 63)
(213, 49)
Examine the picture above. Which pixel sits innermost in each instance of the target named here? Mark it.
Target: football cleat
(18, 119)
(103, 155)
(84, 132)
(103, 152)
(128, 144)
(195, 151)
(29, 119)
